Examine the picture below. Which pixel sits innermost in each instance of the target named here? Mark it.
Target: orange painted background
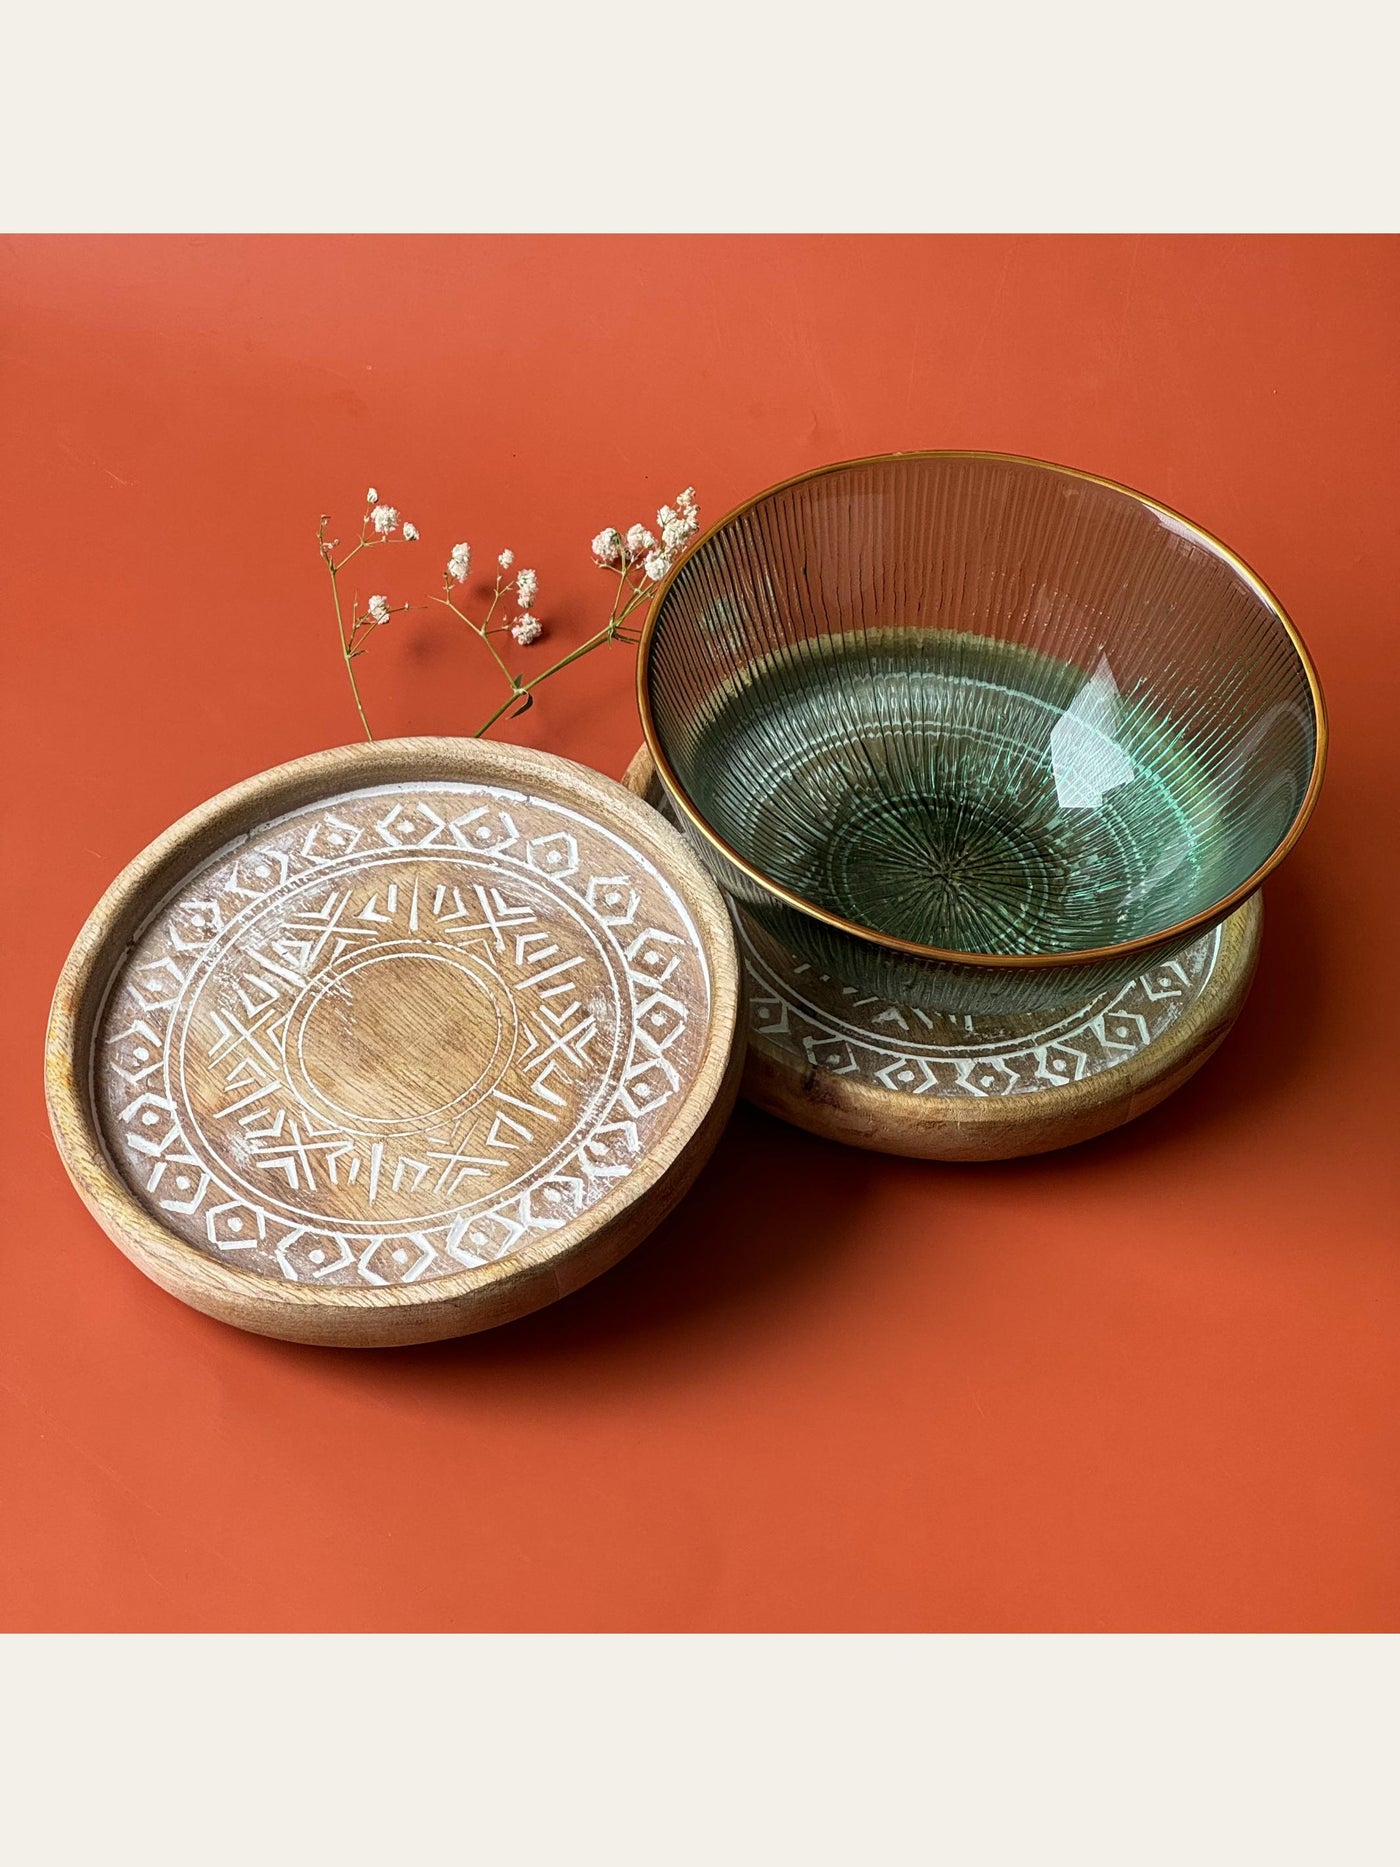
(1149, 1383)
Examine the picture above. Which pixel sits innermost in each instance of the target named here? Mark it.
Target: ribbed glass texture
(982, 705)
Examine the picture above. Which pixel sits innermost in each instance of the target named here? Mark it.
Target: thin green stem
(525, 688)
(504, 707)
(480, 629)
(496, 596)
(345, 646)
(609, 632)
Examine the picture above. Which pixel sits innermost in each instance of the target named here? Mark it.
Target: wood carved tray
(899, 1080)
(396, 1042)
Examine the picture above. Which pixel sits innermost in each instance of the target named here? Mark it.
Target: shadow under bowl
(978, 733)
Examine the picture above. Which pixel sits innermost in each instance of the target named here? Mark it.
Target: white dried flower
(457, 569)
(640, 540)
(526, 584)
(371, 497)
(378, 609)
(385, 519)
(410, 532)
(527, 629)
(607, 546)
(657, 565)
(679, 523)
(506, 559)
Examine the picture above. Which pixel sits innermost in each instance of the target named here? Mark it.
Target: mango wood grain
(896, 1081)
(396, 1042)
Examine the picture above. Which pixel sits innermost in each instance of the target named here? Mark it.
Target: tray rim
(462, 1301)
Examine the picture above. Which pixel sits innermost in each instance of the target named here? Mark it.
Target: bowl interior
(982, 704)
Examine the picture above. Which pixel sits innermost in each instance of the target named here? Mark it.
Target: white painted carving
(799, 1016)
(573, 959)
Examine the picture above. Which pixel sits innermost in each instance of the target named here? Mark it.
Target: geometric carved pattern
(400, 1033)
(797, 1013)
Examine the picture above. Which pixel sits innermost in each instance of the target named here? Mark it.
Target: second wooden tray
(898, 1080)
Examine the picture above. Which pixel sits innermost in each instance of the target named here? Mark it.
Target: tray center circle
(400, 1035)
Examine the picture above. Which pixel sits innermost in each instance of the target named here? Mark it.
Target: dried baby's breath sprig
(638, 560)
(525, 630)
(377, 528)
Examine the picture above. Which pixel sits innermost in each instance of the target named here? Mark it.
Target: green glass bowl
(975, 732)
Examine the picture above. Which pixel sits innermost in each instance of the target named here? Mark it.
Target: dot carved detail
(401, 1034)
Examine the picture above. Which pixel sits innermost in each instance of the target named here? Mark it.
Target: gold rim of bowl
(949, 955)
